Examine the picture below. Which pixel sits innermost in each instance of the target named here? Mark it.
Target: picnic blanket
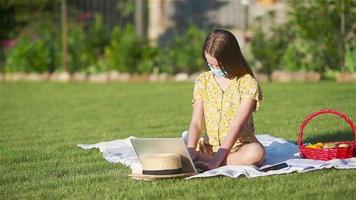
(278, 150)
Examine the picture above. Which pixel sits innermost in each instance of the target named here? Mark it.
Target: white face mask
(217, 72)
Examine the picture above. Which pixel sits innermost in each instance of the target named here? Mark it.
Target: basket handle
(320, 112)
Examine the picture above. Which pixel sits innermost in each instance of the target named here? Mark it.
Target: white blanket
(277, 150)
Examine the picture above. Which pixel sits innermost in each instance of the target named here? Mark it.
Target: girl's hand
(206, 165)
(217, 161)
(192, 153)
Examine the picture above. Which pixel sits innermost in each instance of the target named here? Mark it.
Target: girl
(224, 98)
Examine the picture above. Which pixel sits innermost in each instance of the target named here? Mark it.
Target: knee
(256, 154)
(249, 154)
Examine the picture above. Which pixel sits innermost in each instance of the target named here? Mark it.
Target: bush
(125, 50)
(268, 47)
(32, 55)
(299, 56)
(183, 54)
(148, 61)
(37, 47)
(86, 43)
(78, 58)
(309, 40)
(350, 54)
(40, 48)
(91, 50)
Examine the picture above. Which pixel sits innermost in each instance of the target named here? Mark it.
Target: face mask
(216, 72)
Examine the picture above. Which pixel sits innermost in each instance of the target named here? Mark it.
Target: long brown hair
(223, 46)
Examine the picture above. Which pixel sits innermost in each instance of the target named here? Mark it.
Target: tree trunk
(342, 35)
(139, 26)
(64, 35)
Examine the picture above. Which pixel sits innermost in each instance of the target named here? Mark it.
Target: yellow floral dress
(220, 108)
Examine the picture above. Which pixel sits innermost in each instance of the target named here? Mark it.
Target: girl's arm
(195, 127)
(237, 124)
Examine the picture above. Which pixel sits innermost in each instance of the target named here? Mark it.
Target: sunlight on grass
(41, 123)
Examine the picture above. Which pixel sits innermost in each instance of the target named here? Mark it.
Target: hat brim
(148, 177)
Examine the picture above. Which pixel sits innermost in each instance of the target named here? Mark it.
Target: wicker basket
(327, 153)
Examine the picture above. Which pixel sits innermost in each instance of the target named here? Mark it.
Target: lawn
(41, 124)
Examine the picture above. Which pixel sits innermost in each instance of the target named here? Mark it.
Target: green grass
(41, 123)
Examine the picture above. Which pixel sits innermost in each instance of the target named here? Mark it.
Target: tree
(323, 24)
(312, 38)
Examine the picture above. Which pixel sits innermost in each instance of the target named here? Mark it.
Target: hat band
(163, 172)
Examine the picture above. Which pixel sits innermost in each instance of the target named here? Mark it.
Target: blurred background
(107, 40)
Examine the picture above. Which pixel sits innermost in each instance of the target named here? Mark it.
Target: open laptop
(145, 146)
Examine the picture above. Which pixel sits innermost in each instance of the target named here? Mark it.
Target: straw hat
(161, 164)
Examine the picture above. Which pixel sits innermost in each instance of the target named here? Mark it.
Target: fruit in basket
(329, 145)
(343, 145)
(311, 146)
(318, 145)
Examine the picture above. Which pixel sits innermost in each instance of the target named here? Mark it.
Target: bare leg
(249, 154)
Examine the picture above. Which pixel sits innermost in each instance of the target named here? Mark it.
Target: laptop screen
(147, 146)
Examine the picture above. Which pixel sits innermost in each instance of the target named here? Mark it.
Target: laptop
(146, 146)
